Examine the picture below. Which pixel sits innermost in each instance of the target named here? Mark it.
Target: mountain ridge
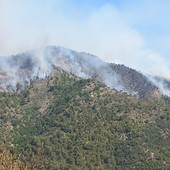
(39, 64)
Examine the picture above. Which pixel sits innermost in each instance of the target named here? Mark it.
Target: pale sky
(133, 32)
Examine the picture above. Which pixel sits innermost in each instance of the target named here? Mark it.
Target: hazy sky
(133, 32)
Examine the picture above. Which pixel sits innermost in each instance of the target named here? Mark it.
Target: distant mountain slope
(37, 64)
(65, 122)
(134, 81)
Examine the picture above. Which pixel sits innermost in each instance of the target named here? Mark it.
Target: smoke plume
(106, 31)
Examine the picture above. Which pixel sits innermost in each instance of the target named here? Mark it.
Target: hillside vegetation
(68, 123)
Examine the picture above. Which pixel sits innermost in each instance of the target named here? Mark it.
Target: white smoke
(162, 84)
(40, 63)
(107, 31)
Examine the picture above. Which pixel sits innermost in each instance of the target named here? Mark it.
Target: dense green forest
(68, 123)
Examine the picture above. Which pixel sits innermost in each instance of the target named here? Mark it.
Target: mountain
(65, 122)
(71, 110)
(23, 69)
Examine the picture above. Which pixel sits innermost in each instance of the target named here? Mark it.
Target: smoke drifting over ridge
(106, 31)
(38, 64)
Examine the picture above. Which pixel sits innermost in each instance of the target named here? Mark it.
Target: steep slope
(134, 81)
(38, 64)
(65, 122)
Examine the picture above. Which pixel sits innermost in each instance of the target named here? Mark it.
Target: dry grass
(10, 162)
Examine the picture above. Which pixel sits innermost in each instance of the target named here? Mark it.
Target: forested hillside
(69, 123)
